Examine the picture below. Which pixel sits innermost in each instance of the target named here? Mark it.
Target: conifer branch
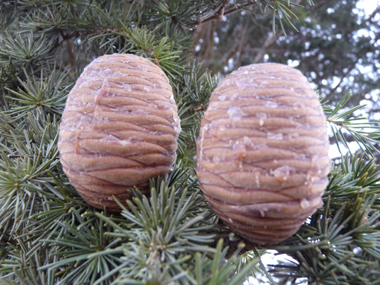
(222, 12)
(364, 133)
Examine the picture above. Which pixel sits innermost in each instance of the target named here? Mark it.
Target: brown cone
(119, 129)
(262, 152)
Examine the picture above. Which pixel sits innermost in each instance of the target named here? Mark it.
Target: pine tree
(49, 235)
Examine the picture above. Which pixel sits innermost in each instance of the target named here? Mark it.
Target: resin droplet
(235, 113)
(273, 136)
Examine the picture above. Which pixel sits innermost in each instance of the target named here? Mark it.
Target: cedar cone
(119, 129)
(262, 152)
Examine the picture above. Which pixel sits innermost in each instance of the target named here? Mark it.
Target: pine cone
(262, 152)
(119, 129)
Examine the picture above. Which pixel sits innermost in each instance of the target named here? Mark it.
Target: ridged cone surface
(262, 152)
(119, 128)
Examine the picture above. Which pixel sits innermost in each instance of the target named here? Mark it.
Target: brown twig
(218, 15)
(344, 75)
(374, 13)
(238, 8)
(235, 47)
(22, 156)
(221, 12)
(210, 40)
(271, 39)
(242, 44)
(199, 33)
(70, 52)
(345, 127)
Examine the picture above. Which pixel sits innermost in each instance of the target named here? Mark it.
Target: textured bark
(262, 159)
(119, 129)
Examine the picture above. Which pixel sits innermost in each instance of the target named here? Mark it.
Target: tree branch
(71, 54)
(199, 33)
(220, 13)
(242, 44)
(374, 13)
(238, 8)
(271, 39)
(235, 47)
(12, 156)
(352, 67)
(217, 16)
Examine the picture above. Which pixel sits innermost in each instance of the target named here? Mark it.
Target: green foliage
(192, 95)
(281, 8)
(21, 269)
(46, 95)
(21, 180)
(25, 49)
(49, 235)
(86, 252)
(143, 43)
(339, 245)
(167, 237)
(364, 133)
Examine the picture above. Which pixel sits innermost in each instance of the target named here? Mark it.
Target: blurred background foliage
(337, 47)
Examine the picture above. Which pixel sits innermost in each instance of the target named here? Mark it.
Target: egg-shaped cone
(119, 129)
(262, 152)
